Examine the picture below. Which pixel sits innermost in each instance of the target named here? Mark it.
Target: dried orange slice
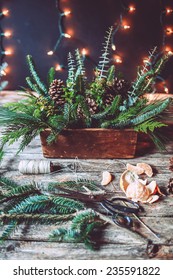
(106, 178)
(136, 169)
(146, 167)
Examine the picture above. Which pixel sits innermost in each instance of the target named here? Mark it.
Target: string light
(166, 90)
(113, 47)
(169, 31)
(168, 11)
(6, 34)
(132, 9)
(66, 35)
(84, 52)
(63, 34)
(7, 52)
(3, 52)
(125, 26)
(117, 59)
(66, 13)
(59, 67)
(50, 53)
(4, 12)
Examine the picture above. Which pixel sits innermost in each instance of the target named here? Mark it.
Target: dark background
(34, 24)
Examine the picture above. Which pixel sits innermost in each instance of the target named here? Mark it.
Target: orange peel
(146, 167)
(136, 169)
(137, 189)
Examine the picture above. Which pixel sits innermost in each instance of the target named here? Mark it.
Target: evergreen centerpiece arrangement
(107, 101)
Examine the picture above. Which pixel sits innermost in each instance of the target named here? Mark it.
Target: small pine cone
(80, 112)
(121, 86)
(93, 107)
(108, 98)
(56, 92)
(170, 186)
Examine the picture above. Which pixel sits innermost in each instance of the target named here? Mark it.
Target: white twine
(35, 166)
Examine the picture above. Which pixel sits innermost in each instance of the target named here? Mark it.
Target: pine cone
(170, 186)
(118, 87)
(93, 107)
(108, 98)
(56, 92)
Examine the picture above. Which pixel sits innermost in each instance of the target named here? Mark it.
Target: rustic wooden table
(116, 242)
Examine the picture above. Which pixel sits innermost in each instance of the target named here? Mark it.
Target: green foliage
(81, 230)
(105, 57)
(146, 77)
(149, 125)
(51, 75)
(110, 110)
(8, 230)
(142, 114)
(35, 76)
(27, 204)
(71, 72)
(85, 102)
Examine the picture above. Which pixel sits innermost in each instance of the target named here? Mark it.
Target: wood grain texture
(115, 242)
(91, 143)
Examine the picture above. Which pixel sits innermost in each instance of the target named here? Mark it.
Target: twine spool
(35, 166)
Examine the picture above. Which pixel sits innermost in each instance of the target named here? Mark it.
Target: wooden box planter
(91, 143)
(97, 143)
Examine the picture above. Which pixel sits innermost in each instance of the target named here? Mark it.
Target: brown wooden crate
(91, 143)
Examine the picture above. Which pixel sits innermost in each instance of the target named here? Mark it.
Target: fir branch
(35, 76)
(81, 185)
(17, 191)
(81, 229)
(8, 231)
(110, 109)
(23, 218)
(7, 184)
(141, 117)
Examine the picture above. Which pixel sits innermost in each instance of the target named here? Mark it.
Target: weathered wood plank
(55, 251)
(111, 234)
(116, 243)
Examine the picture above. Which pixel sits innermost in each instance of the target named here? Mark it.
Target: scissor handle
(122, 220)
(114, 207)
